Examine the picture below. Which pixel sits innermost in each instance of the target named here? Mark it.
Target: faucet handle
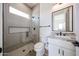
(57, 33)
(64, 34)
(60, 33)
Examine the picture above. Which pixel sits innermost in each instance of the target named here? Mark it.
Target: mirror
(63, 20)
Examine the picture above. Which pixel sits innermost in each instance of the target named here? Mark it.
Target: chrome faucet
(60, 33)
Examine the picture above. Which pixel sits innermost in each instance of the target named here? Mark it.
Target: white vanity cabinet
(59, 47)
(67, 52)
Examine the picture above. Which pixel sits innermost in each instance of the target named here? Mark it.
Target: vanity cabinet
(67, 52)
(60, 48)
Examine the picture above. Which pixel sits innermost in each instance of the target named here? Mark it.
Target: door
(54, 50)
(0, 29)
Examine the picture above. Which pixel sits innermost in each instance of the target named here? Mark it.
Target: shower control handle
(23, 50)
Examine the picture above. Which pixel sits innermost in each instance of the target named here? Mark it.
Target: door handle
(59, 51)
(63, 52)
(0, 50)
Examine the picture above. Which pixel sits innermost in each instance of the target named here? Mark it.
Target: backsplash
(70, 34)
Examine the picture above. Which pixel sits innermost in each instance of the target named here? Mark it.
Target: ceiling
(31, 5)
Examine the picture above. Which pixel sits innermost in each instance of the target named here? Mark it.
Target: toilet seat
(39, 45)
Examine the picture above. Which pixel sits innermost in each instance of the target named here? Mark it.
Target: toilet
(40, 47)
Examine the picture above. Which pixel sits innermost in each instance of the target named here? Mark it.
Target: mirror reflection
(62, 20)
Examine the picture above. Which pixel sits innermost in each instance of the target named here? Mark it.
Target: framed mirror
(62, 20)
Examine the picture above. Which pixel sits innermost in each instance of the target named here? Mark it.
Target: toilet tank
(45, 41)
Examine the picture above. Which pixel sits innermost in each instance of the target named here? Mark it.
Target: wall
(35, 23)
(45, 19)
(76, 20)
(76, 25)
(0, 26)
(11, 39)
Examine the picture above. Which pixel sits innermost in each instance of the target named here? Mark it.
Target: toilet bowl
(40, 47)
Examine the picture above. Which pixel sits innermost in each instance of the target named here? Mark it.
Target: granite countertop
(66, 38)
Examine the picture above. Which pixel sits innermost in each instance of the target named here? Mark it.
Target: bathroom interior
(40, 29)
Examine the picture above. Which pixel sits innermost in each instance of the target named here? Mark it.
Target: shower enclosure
(20, 30)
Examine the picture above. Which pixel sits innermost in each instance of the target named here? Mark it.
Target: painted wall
(45, 19)
(0, 26)
(11, 39)
(76, 20)
(35, 23)
(76, 25)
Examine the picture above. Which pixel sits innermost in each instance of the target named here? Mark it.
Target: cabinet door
(67, 52)
(53, 50)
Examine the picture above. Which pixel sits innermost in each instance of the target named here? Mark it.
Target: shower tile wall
(11, 39)
(35, 23)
